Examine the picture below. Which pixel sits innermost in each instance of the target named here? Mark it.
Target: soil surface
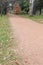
(29, 36)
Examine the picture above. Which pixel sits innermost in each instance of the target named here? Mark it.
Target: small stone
(17, 62)
(26, 61)
(4, 58)
(0, 52)
(21, 48)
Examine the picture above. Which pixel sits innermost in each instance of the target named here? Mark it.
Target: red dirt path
(30, 38)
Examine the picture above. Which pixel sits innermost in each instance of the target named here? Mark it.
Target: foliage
(3, 7)
(38, 5)
(24, 5)
(16, 8)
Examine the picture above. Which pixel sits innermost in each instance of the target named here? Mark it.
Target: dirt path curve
(30, 38)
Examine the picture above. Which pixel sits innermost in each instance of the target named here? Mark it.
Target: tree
(16, 8)
(24, 4)
(3, 6)
(38, 5)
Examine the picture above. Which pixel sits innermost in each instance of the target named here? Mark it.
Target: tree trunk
(40, 11)
(31, 7)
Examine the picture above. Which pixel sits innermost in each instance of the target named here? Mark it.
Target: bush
(17, 8)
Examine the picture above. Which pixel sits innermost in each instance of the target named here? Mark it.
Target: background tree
(16, 8)
(38, 5)
(3, 6)
(24, 4)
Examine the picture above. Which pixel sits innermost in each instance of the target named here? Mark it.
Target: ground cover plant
(7, 54)
(36, 18)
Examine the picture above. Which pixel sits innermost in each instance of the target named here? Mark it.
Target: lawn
(36, 18)
(7, 55)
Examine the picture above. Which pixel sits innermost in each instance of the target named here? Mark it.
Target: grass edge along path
(36, 18)
(7, 44)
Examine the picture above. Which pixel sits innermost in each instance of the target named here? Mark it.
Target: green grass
(7, 55)
(36, 18)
